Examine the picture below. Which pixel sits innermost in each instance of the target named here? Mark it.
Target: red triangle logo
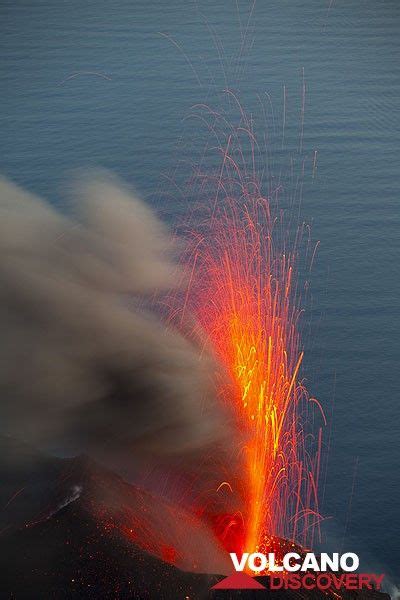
(238, 581)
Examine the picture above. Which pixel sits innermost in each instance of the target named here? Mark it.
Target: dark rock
(77, 530)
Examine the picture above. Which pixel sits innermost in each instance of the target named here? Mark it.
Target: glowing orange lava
(248, 302)
(251, 317)
(248, 259)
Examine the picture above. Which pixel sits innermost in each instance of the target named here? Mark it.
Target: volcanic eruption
(247, 296)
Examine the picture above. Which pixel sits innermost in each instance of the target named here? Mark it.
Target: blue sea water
(109, 84)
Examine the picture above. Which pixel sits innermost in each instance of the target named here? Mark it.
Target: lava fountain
(245, 294)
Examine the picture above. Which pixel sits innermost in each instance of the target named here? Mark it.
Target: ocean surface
(110, 84)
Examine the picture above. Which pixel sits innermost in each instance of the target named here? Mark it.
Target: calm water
(131, 120)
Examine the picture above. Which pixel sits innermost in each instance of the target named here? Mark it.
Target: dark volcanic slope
(69, 529)
(71, 556)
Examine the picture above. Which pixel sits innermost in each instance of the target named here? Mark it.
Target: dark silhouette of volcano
(70, 529)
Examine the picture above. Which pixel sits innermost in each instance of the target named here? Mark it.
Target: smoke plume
(83, 364)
